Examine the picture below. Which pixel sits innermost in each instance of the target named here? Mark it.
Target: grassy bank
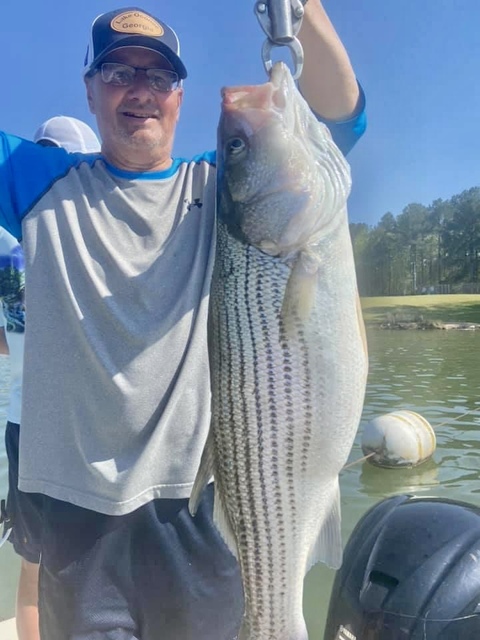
(448, 308)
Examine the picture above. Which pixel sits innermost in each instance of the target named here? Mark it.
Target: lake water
(434, 373)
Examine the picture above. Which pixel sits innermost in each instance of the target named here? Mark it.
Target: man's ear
(90, 92)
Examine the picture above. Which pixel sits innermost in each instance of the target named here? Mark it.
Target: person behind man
(70, 133)
(74, 136)
(115, 408)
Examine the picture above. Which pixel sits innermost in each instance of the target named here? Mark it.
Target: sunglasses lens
(123, 75)
(118, 74)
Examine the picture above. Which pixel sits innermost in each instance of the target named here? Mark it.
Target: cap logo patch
(137, 22)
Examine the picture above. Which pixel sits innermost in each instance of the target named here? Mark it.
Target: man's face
(136, 123)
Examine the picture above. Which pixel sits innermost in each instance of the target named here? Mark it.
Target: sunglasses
(123, 75)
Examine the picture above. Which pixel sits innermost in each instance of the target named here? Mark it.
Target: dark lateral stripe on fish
(289, 422)
(268, 525)
(307, 403)
(241, 493)
(242, 501)
(274, 414)
(230, 316)
(241, 439)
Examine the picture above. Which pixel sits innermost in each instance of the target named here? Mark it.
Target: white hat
(69, 133)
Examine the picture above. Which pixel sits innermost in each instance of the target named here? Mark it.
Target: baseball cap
(69, 133)
(132, 27)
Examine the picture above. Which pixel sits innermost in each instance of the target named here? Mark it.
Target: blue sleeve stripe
(27, 172)
(210, 157)
(8, 202)
(207, 156)
(346, 133)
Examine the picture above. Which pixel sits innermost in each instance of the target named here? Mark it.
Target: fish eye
(236, 146)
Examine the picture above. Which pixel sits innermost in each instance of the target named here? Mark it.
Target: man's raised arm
(328, 81)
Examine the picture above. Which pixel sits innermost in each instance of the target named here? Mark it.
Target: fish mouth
(278, 73)
(271, 94)
(247, 97)
(252, 107)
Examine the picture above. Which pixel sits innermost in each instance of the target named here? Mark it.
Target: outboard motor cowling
(411, 571)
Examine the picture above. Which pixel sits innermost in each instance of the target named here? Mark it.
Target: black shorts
(154, 573)
(23, 509)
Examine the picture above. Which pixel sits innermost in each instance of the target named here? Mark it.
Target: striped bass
(287, 349)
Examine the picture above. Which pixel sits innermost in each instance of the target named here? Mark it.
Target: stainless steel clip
(281, 21)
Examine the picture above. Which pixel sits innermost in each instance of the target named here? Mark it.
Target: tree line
(424, 249)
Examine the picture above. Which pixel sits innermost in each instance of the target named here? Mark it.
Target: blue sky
(418, 60)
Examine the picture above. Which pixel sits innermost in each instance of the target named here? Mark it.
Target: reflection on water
(434, 373)
(374, 482)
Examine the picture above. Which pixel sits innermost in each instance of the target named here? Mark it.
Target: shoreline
(423, 326)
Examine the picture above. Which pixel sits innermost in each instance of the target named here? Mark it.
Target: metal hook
(281, 22)
(296, 50)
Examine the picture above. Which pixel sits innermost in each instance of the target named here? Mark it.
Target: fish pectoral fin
(328, 547)
(222, 523)
(301, 289)
(204, 473)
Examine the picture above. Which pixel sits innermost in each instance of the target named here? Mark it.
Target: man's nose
(140, 84)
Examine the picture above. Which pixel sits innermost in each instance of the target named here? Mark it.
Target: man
(23, 509)
(116, 385)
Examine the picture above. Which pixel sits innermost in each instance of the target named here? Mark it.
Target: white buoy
(398, 439)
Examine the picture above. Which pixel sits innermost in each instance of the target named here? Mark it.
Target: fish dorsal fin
(222, 523)
(204, 473)
(328, 546)
(301, 289)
